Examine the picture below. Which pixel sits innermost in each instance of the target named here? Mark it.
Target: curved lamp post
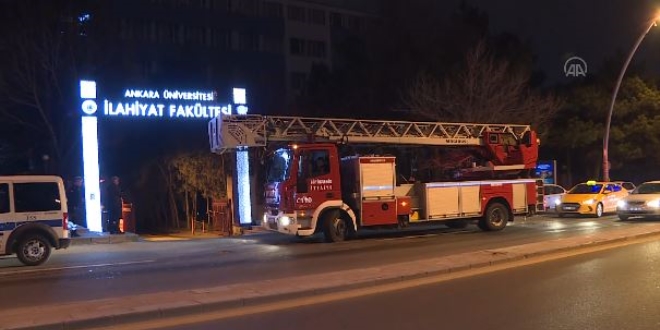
(606, 138)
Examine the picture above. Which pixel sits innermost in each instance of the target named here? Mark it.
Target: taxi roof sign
(591, 182)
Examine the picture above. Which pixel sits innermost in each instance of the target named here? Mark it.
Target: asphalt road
(112, 270)
(613, 289)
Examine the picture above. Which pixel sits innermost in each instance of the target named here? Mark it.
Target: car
(552, 196)
(591, 198)
(643, 202)
(626, 184)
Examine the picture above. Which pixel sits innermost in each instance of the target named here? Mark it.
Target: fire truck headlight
(285, 221)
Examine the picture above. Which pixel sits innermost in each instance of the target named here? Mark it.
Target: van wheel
(495, 219)
(33, 250)
(335, 228)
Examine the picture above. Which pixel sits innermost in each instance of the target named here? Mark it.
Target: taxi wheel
(623, 217)
(599, 210)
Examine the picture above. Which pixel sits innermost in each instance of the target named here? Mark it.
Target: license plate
(636, 209)
(570, 208)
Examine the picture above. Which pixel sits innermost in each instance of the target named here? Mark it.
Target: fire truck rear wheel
(496, 217)
(335, 229)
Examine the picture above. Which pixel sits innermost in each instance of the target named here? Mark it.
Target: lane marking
(193, 319)
(39, 270)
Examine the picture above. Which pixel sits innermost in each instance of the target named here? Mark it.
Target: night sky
(591, 29)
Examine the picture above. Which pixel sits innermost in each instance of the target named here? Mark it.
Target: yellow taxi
(591, 198)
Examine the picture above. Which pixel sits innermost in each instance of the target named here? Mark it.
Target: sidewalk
(87, 237)
(114, 311)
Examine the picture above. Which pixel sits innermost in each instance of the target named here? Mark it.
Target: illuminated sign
(156, 103)
(163, 103)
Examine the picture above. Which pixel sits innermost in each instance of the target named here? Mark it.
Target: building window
(246, 7)
(336, 20)
(297, 46)
(355, 23)
(272, 44)
(273, 9)
(296, 13)
(194, 35)
(316, 49)
(126, 29)
(317, 16)
(298, 80)
(248, 42)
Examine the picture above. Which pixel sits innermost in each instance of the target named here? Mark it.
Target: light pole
(606, 138)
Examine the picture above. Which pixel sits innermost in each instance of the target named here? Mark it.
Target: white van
(33, 217)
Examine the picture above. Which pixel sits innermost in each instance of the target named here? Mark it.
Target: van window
(4, 198)
(37, 197)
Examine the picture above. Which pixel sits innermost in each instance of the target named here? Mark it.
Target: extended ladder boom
(235, 131)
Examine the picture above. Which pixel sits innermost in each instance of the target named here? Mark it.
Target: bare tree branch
(485, 90)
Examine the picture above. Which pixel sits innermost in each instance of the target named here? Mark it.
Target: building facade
(269, 46)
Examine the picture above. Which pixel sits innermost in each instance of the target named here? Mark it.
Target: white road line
(38, 270)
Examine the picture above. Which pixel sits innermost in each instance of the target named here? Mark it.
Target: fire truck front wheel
(335, 229)
(496, 217)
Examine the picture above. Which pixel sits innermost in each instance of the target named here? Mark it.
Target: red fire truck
(314, 186)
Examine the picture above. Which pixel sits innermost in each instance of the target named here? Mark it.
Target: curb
(249, 294)
(106, 239)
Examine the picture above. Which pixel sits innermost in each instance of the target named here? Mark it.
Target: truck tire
(456, 224)
(33, 250)
(495, 219)
(335, 229)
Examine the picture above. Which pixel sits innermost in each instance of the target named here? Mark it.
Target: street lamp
(606, 138)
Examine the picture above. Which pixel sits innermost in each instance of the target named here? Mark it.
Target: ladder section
(235, 131)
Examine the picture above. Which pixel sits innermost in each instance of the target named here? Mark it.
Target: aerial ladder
(477, 147)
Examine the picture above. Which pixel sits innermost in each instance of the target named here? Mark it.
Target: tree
(202, 174)
(36, 74)
(484, 90)
(635, 123)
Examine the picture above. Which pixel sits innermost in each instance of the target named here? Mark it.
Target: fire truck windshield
(279, 165)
